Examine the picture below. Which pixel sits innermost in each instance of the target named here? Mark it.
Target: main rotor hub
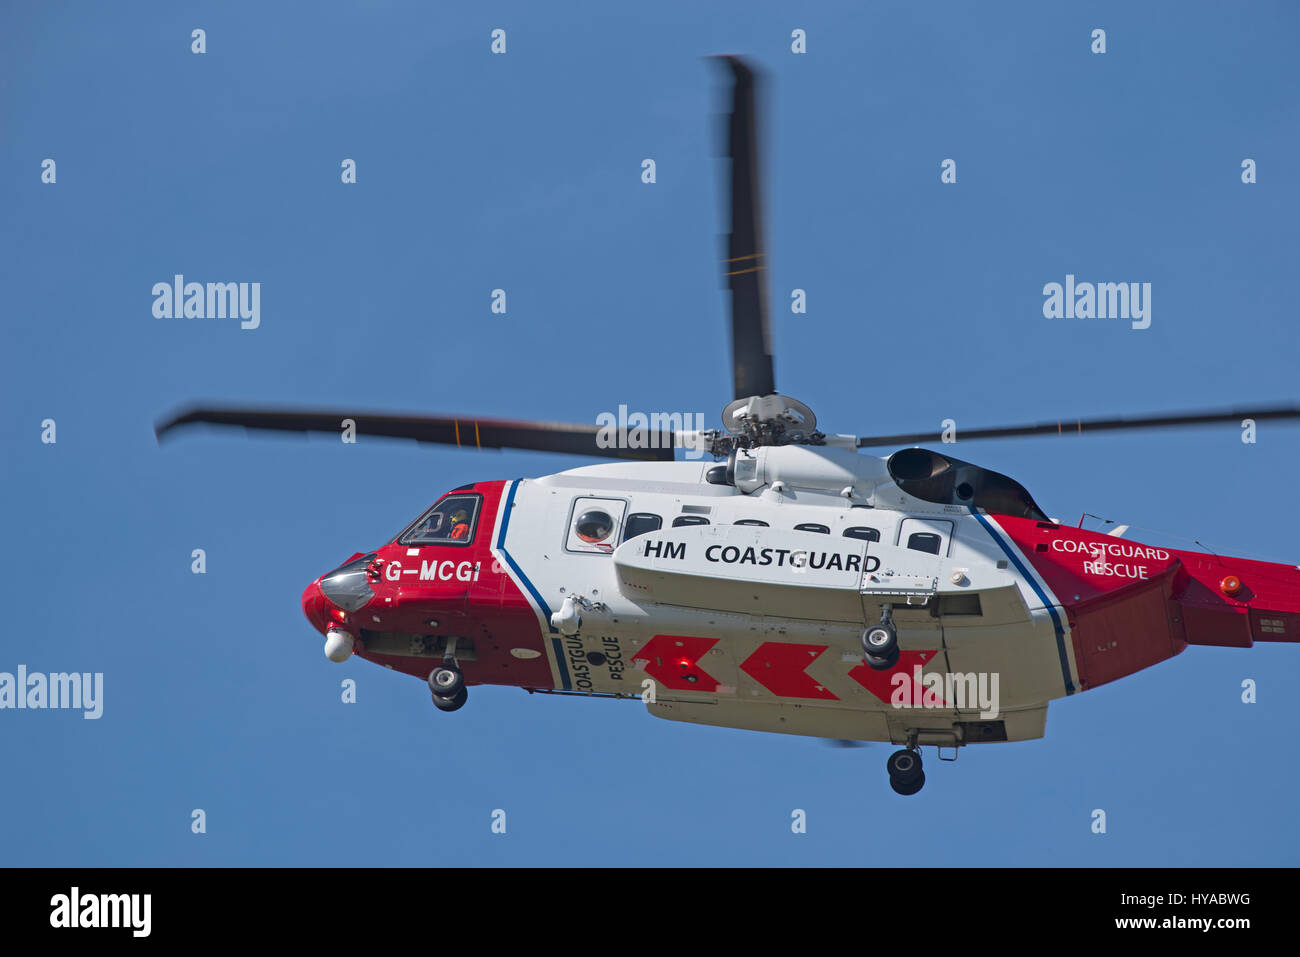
(775, 412)
(765, 420)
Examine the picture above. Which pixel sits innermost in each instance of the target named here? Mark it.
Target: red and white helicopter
(798, 587)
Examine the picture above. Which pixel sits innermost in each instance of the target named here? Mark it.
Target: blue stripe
(1042, 596)
(532, 589)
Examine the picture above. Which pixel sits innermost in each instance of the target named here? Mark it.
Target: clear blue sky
(522, 172)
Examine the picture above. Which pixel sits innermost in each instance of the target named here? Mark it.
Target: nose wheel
(454, 703)
(446, 681)
(448, 684)
(906, 776)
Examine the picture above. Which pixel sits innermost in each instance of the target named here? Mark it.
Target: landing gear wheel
(446, 682)
(454, 703)
(883, 664)
(904, 767)
(880, 641)
(907, 789)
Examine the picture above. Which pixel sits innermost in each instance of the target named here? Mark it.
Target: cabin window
(812, 527)
(864, 532)
(450, 522)
(681, 520)
(595, 524)
(638, 523)
(924, 542)
(751, 521)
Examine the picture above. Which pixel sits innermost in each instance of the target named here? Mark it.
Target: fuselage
(742, 604)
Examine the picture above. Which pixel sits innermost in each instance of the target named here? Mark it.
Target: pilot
(459, 525)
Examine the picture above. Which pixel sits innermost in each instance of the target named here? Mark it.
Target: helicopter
(777, 578)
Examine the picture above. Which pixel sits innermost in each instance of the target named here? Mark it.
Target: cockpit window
(451, 522)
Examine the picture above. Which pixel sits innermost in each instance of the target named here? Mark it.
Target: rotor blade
(1080, 426)
(460, 431)
(746, 264)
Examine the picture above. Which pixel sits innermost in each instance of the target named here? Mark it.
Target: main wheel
(883, 664)
(880, 641)
(454, 703)
(446, 682)
(907, 789)
(904, 766)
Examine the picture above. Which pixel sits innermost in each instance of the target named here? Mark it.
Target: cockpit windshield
(450, 522)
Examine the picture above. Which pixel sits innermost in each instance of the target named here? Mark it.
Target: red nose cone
(314, 606)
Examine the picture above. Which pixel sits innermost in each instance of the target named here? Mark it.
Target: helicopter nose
(314, 606)
(321, 612)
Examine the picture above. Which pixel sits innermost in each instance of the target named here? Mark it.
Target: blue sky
(522, 172)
